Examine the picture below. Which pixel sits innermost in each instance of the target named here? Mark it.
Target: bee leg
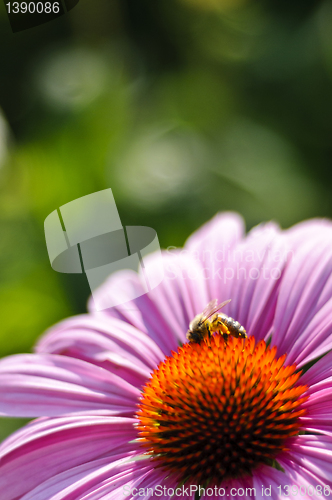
(218, 326)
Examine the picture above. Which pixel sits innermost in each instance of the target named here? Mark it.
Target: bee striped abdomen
(234, 327)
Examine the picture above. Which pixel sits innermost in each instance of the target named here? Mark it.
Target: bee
(209, 321)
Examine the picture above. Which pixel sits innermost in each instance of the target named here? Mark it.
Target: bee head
(193, 337)
(189, 335)
(196, 323)
(196, 328)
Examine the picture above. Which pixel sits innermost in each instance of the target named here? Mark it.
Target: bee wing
(212, 308)
(208, 310)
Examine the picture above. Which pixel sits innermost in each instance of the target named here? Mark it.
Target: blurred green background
(182, 107)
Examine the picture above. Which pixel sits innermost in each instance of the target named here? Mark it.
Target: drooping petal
(318, 416)
(306, 289)
(315, 339)
(48, 447)
(106, 341)
(165, 312)
(248, 273)
(216, 237)
(213, 245)
(77, 482)
(260, 264)
(250, 276)
(145, 479)
(51, 385)
(272, 483)
(309, 461)
(120, 287)
(319, 374)
(231, 488)
(311, 229)
(279, 283)
(182, 294)
(100, 479)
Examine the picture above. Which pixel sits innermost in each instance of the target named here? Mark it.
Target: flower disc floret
(217, 410)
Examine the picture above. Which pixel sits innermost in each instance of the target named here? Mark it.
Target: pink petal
(266, 481)
(234, 488)
(78, 481)
(120, 285)
(311, 229)
(219, 234)
(212, 245)
(256, 298)
(318, 417)
(49, 447)
(319, 373)
(309, 460)
(165, 312)
(107, 342)
(305, 289)
(144, 478)
(162, 485)
(51, 385)
(250, 277)
(315, 339)
(181, 296)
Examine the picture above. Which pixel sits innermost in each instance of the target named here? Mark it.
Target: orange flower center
(217, 410)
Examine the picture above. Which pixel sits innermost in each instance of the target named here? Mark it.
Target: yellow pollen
(216, 410)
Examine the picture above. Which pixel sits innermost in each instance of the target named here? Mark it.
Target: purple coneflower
(128, 408)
